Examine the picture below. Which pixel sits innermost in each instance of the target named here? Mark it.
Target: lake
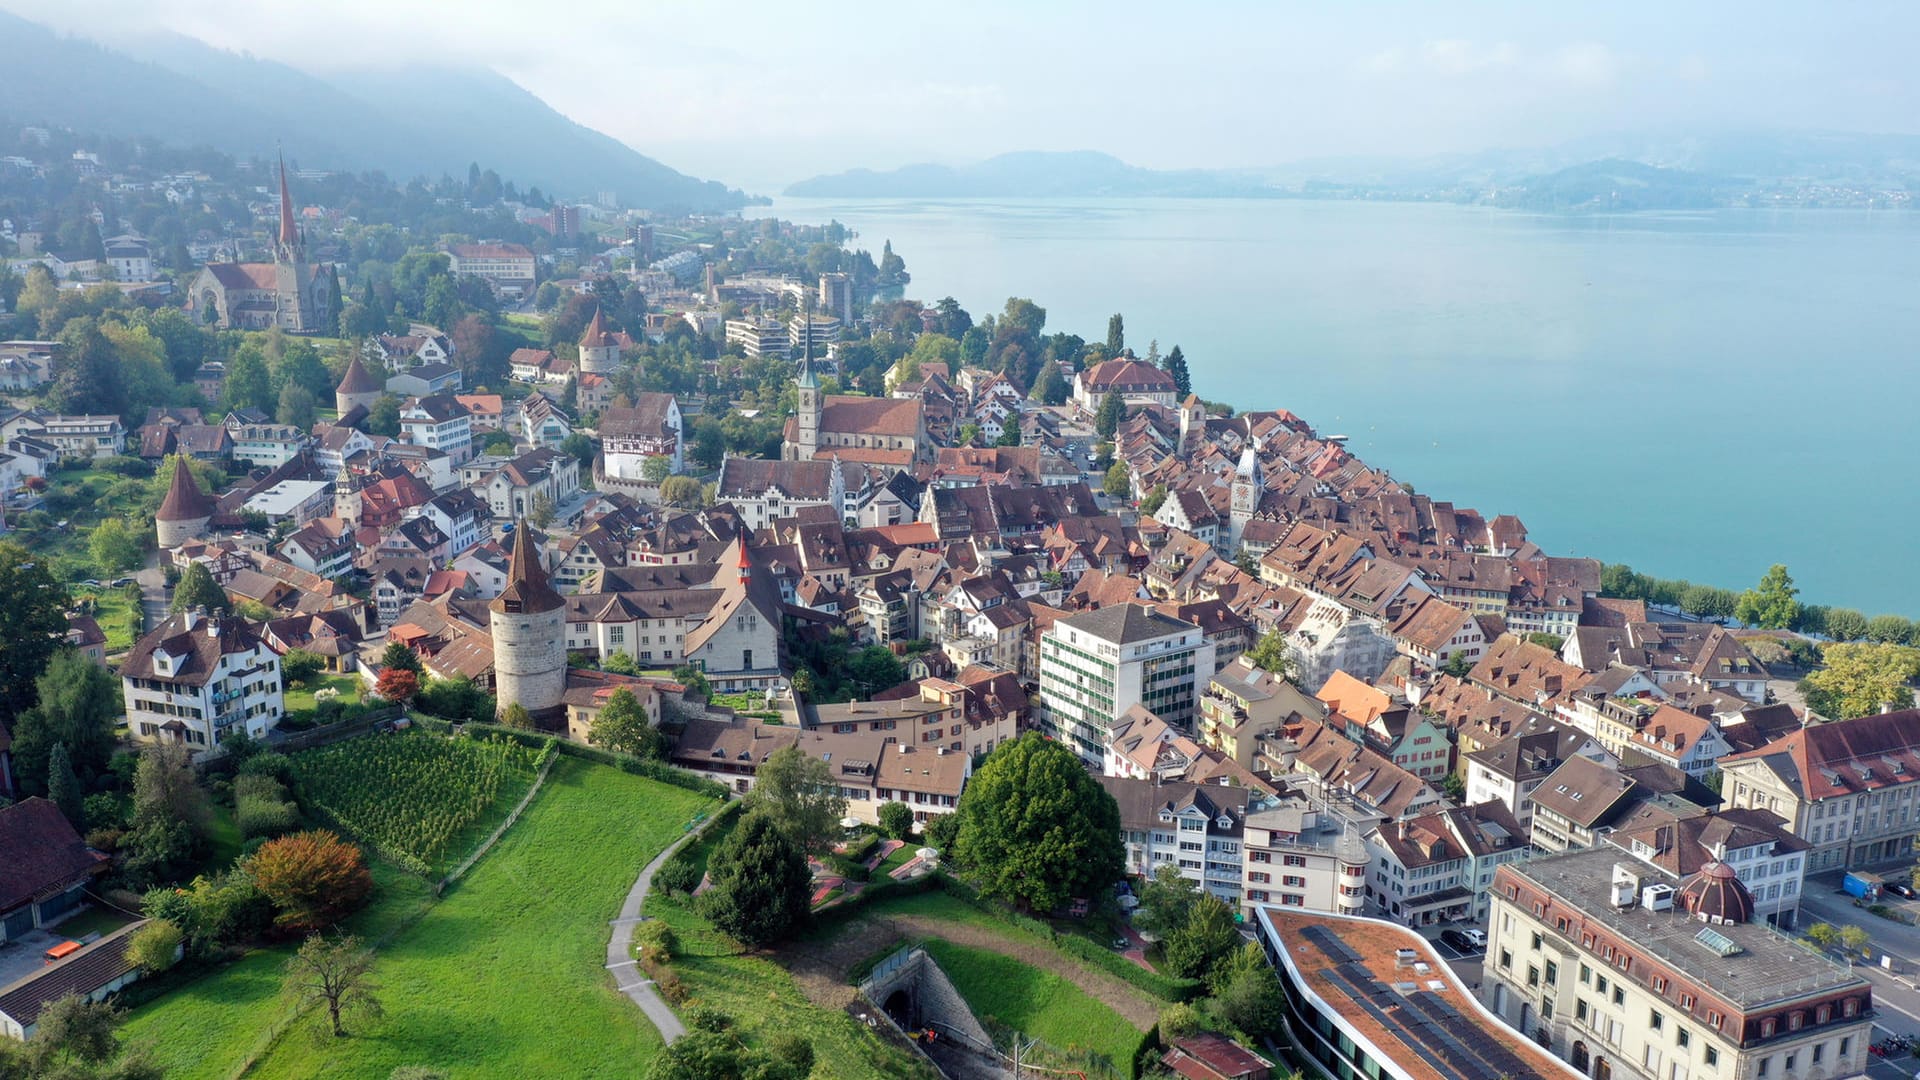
(1697, 394)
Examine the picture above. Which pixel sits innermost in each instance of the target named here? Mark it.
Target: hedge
(652, 770)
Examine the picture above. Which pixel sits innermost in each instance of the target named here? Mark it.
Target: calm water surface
(1698, 394)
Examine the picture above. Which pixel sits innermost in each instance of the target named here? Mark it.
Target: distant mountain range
(423, 121)
(1611, 173)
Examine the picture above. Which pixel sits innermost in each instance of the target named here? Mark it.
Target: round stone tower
(185, 512)
(599, 348)
(358, 387)
(528, 621)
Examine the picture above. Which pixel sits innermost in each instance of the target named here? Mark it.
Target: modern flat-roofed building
(1627, 971)
(1095, 666)
(1366, 998)
(506, 266)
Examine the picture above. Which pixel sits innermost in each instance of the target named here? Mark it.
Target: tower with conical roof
(185, 512)
(599, 347)
(357, 387)
(528, 621)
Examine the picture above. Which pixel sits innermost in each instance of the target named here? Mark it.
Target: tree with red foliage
(398, 685)
(313, 878)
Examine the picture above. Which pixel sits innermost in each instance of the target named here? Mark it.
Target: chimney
(192, 617)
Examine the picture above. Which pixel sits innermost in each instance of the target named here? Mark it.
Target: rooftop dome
(1715, 894)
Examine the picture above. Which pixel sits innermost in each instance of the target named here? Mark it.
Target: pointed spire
(596, 332)
(357, 380)
(527, 591)
(289, 235)
(806, 380)
(185, 501)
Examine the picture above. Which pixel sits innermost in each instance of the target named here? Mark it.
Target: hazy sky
(758, 93)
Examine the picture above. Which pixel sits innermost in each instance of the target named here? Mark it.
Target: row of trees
(1772, 604)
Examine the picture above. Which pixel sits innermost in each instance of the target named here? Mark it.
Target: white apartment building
(1851, 789)
(502, 264)
(1196, 827)
(198, 678)
(84, 437)
(1299, 854)
(1095, 666)
(438, 422)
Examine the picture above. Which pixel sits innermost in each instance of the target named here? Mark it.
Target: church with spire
(888, 432)
(291, 293)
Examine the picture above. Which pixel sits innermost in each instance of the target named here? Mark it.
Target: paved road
(620, 961)
(153, 595)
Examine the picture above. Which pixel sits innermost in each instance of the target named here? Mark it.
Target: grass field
(1007, 994)
(117, 614)
(502, 978)
(763, 997)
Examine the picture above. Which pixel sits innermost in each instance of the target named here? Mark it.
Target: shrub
(153, 947)
(859, 850)
(677, 875)
(897, 819)
(657, 940)
(706, 1018)
(1179, 1020)
(264, 818)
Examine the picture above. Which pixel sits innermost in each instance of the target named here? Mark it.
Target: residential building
(1683, 840)
(438, 422)
(1625, 970)
(1437, 867)
(1197, 828)
(758, 337)
(1301, 854)
(197, 678)
(130, 258)
(263, 444)
(1095, 666)
(1509, 771)
(629, 436)
(512, 486)
(81, 437)
(1243, 704)
(1850, 788)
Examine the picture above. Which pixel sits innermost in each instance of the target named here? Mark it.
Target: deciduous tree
(1770, 605)
(337, 974)
(154, 947)
(1860, 677)
(800, 792)
(397, 685)
(1206, 937)
(314, 878)
(114, 546)
(1118, 481)
(79, 703)
(1272, 654)
(34, 628)
(621, 726)
(1037, 830)
(1165, 902)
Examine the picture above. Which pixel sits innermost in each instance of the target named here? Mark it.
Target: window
(1586, 975)
(1506, 960)
(1536, 942)
(1711, 1057)
(1765, 1069)
(1580, 1010)
(1768, 1027)
(1683, 1037)
(1619, 996)
(1655, 1020)
(1553, 973)
(1533, 975)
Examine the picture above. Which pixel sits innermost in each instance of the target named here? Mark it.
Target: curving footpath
(620, 961)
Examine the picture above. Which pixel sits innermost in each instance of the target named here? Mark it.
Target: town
(912, 660)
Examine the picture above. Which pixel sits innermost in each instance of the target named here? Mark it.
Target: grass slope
(503, 978)
(1008, 994)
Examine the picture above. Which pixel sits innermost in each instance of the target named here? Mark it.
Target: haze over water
(1697, 394)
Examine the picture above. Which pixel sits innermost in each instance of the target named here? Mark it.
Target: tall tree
(297, 406)
(1203, 940)
(1771, 604)
(63, 788)
(800, 792)
(621, 726)
(1177, 368)
(337, 974)
(248, 384)
(1117, 482)
(196, 589)
(1036, 829)
(761, 885)
(1271, 654)
(1166, 901)
(1116, 335)
(1112, 412)
(33, 629)
(79, 701)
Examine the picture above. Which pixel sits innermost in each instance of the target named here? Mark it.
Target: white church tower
(1248, 487)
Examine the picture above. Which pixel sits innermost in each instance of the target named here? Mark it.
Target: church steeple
(289, 232)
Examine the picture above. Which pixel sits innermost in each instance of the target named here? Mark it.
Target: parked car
(1905, 892)
(1465, 941)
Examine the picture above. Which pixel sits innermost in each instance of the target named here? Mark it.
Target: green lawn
(502, 978)
(223, 836)
(350, 686)
(98, 919)
(1009, 995)
(762, 997)
(117, 614)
